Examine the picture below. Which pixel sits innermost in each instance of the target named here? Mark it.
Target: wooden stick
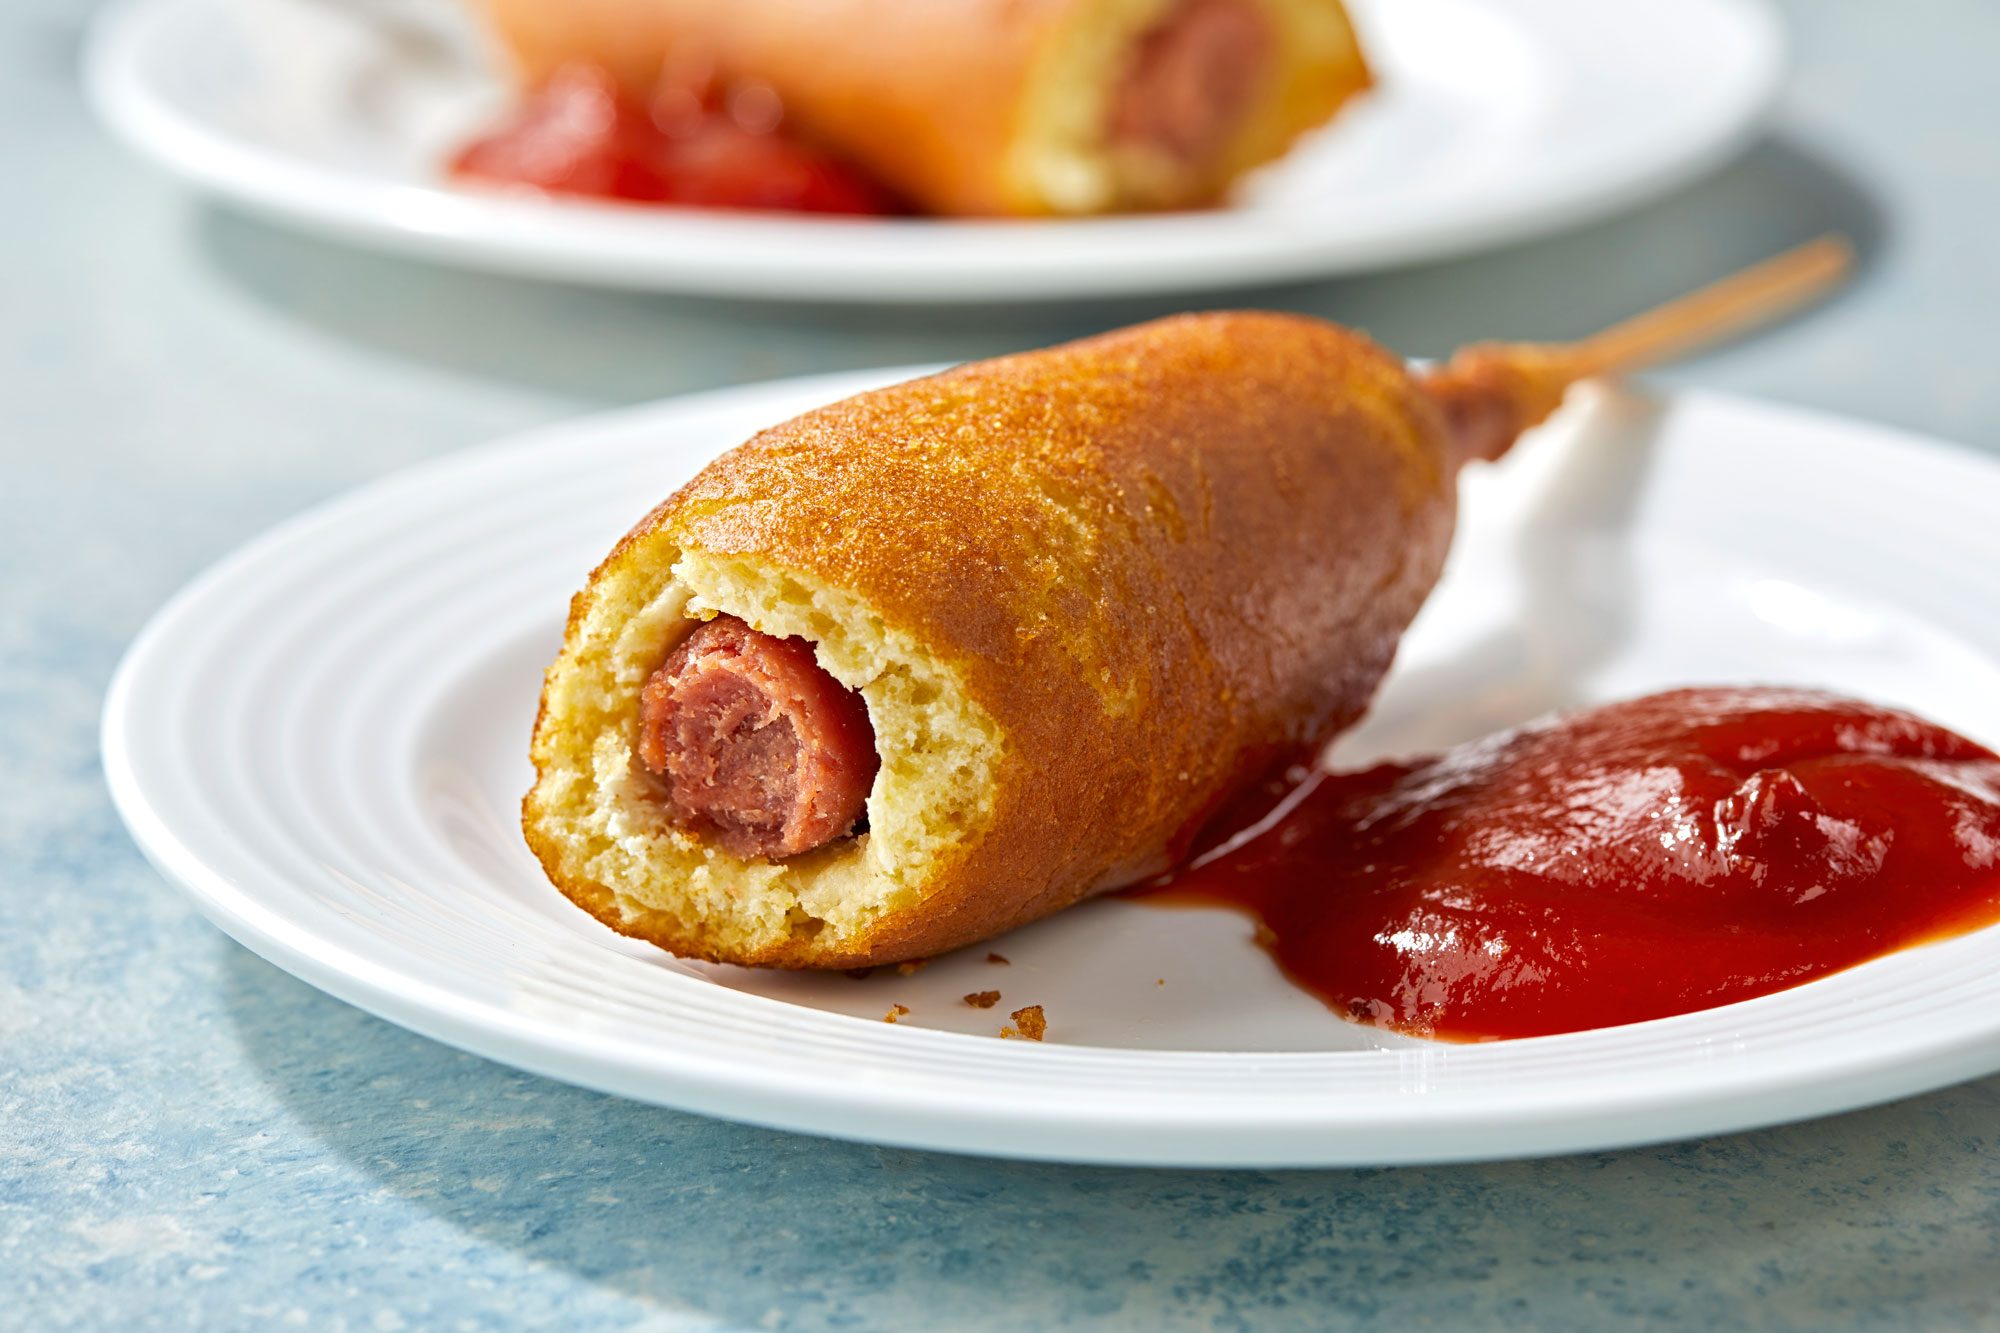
(1743, 300)
(1491, 392)
(1495, 391)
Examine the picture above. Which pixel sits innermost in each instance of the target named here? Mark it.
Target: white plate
(323, 741)
(1496, 120)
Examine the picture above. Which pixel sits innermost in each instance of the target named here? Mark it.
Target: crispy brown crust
(1493, 393)
(927, 95)
(1157, 559)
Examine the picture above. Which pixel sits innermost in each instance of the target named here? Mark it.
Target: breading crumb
(896, 1011)
(912, 967)
(983, 999)
(1029, 1024)
(997, 958)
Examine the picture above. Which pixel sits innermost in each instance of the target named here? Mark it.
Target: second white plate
(1495, 120)
(323, 740)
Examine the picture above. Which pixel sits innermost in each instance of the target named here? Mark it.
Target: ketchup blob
(1628, 862)
(697, 142)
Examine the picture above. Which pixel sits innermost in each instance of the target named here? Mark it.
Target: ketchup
(1629, 862)
(695, 142)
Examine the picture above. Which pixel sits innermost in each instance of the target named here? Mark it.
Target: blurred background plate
(323, 741)
(1496, 120)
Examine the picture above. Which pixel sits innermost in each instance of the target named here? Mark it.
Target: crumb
(997, 958)
(861, 973)
(1029, 1024)
(1161, 982)
(983, 999)
(896, 1011)
(912, 967)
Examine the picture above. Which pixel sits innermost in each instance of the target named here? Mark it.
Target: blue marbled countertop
(190, 1138)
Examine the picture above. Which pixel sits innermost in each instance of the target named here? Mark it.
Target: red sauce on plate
(696, 142)
(1629, 862)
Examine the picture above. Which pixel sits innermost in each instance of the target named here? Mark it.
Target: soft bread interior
(1060, 156)
(601, 829)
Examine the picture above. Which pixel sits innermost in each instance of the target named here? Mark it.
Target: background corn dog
(991, 106)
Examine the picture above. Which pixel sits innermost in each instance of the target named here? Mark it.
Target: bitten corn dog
(938, 660)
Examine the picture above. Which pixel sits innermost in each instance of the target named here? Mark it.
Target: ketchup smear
(1629, 862)
(696, 142)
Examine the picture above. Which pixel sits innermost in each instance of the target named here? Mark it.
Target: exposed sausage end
(754, 744)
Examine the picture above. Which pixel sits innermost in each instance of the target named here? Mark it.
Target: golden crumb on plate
(983, 999)
(1029, 1024)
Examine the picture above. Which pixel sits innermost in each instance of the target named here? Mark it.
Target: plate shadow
(752, 1226)
(599, 347)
